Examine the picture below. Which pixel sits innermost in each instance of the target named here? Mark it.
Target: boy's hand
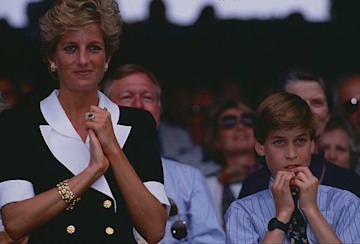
(282, 195)
(307, 184)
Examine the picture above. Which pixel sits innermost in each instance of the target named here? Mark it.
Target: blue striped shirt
(247, 218)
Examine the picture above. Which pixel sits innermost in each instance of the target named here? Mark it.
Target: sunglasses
(352, 105)
(178, 228)
(231, 121)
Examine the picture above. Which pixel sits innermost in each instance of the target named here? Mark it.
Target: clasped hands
(103, 141)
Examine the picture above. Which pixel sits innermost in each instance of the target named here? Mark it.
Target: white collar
(55, 115)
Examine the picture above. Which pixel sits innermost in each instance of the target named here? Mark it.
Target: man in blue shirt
(193, 218)
(284, 130)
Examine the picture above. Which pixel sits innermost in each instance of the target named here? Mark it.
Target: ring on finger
(90, 116)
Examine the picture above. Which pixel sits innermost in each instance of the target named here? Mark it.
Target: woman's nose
(83, 57)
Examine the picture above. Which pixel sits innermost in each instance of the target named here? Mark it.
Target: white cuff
(14, 191)
(158, 190)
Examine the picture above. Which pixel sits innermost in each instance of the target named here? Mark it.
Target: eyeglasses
(352, 105)
(231, 121)
(178, 228)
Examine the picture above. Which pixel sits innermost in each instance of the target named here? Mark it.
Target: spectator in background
(337, 143)
(182, 148)
(200, 101)
(231, 144)
(201, 98)
(312, 88)
(348, 99)
(166, 131)
(8, 92)
(134, 86)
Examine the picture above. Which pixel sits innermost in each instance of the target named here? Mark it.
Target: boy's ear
(259, 148)
(312, 146)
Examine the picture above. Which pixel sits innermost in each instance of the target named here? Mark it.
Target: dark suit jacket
(26, 156)
(331, 175)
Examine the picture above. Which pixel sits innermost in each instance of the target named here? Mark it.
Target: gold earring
(106, 67)
(52, 67)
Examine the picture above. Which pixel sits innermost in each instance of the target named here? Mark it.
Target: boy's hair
(284, 111)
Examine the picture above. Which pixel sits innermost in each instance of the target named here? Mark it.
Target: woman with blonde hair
(77, 168)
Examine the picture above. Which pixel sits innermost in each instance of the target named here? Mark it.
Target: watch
(274, 223)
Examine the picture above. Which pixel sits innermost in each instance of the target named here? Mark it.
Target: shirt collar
(55, 115)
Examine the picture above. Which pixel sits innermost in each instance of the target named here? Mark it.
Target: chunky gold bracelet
(67, 195)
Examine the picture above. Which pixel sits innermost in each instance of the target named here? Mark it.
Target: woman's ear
(49, 61)
(108, 59)
(259, 148)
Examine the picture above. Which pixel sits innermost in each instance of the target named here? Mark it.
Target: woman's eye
(70, 48)
(95, 48)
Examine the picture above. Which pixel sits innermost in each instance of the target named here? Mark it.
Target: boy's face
(286, 149)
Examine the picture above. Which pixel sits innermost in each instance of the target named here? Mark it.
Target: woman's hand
(101, 124)
(97, 158)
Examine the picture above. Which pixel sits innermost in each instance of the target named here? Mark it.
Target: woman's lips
(83, 72)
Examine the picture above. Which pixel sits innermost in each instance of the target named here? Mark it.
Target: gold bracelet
(67, 195)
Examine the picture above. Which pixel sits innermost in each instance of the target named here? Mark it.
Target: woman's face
(336, 147)
(314, 95)
(80, 59)
(235, 137)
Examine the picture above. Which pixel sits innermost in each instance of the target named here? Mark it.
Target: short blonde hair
(65, 15)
